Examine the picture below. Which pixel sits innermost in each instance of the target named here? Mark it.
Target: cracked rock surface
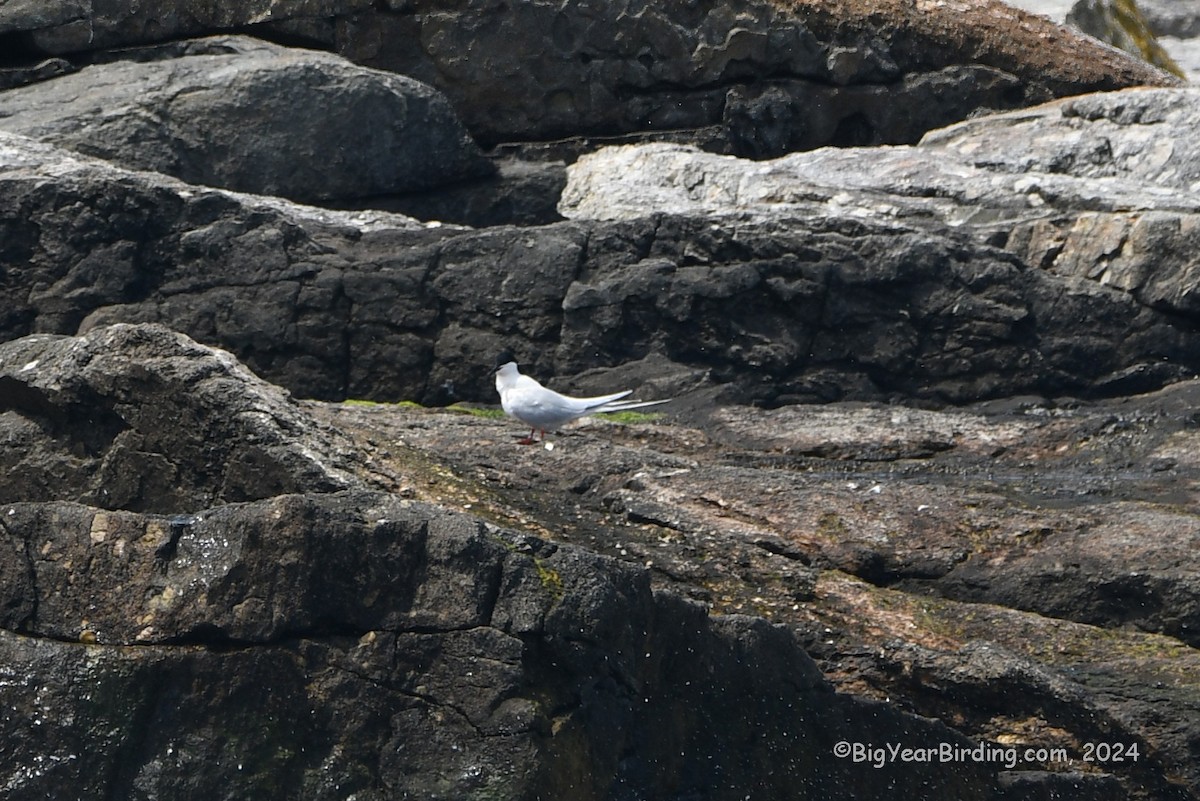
(144, 419)
(1022, 568)
(355, 640)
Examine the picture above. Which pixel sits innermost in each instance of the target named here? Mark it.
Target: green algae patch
(630, 418)
(405, 404)
(551, 579)
(486, 412)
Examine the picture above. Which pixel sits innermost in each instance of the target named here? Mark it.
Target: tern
(546, 410)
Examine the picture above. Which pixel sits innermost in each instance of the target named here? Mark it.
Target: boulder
(1168, 18)
(320, 128)
(142, 418)
(1103, 144)
(116, 233)
(87, 25)
(30, 15)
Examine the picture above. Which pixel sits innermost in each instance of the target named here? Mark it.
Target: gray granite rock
(1104, 187)
(1177, 18)
(86, 25)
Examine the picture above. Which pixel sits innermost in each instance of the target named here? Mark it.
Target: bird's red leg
(528, 440)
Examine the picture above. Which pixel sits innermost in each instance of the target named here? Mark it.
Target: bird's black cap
(503, 358)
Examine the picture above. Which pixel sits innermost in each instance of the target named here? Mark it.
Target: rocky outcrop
(1020, 567)
(359, 641)
(366, 637)
(211, 589)
(355, 641)
(758, 79)
(1130, 139)
(333, 305)
(182, 112)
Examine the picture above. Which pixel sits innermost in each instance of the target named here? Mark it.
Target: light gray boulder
(32, 15)
(1180, 18)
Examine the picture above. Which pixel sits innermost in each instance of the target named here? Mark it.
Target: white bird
(546, 410)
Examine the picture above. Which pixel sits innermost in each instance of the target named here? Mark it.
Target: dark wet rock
(87, 247)
(21, 75)
(187, 116)
(521, 192)
(344, 638)
(608, 691)
(1047, 786)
